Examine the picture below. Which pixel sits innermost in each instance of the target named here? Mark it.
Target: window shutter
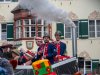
(9, 31)
(83, 29)
(60, 27)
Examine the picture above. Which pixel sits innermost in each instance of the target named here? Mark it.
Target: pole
(74, 42)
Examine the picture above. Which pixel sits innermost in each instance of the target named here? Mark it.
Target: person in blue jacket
(60, 46)
(5, 67)
(48, 50)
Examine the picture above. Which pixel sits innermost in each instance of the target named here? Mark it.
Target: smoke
(47, 11)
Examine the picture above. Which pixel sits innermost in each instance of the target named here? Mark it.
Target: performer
(39, 42)
(60, 46)
(5, 67)
(48, 50)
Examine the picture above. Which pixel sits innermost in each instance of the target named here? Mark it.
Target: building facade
(19, 27)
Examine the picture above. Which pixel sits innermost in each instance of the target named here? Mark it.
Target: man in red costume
(48, 50)
(60, 46)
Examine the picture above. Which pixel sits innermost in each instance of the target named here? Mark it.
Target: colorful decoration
(61, 58)
(42, 67)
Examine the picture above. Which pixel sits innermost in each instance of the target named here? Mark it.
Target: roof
(17, 8)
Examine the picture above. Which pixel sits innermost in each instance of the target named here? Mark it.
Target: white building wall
(89, 48)
(5, 10)
(82, 8)
(6, 15)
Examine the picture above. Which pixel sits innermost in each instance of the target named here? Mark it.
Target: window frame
(71, 31)
(97, 29)
(18, 33)
(5, 1)
(29, 25)
(4, 33)
(95, 22)
(91, 31)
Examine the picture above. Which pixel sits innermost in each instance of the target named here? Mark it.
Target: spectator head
(39, 41)
(58, 35)
(46, 37)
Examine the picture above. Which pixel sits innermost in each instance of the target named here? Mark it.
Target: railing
(68, 66)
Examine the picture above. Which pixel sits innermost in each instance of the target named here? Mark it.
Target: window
(45, 29)
(77, 28)
(8, 1)
(18, 23)
(4, 31)
(60, 27)
(31, 27)
(33, 31)
(98, 27)
(91, 28)
(27, 32)
(94, 28)
(83, 29)
(33, 21)
(39, 31)
(18, 29)
(68, 32)
(26, 21)
(10, 32)
(40, 22)
(18, 32)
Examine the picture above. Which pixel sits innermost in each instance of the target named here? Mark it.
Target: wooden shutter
(60, 27)
(10, 31)
(83, 29)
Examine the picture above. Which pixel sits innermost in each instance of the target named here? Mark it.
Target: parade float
(63, 66)
(43, 67)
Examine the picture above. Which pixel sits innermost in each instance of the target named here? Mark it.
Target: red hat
(30, 54)
(38, 38)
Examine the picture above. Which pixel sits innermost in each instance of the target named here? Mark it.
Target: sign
(29, 44)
